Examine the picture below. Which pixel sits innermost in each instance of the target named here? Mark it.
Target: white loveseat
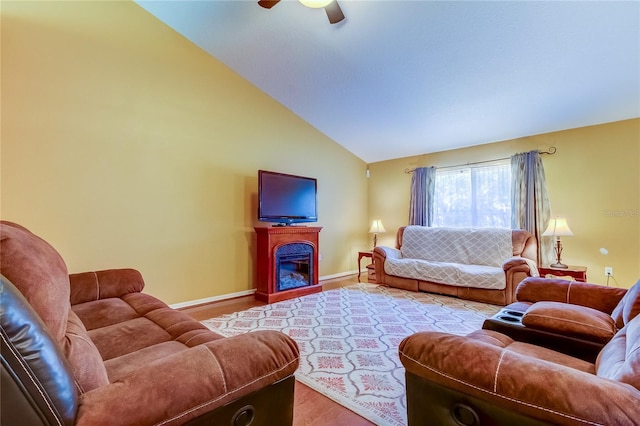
(483, 264)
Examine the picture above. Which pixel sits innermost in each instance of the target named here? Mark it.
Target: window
(476, 196)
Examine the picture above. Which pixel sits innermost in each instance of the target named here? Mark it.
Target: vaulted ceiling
(401, 78)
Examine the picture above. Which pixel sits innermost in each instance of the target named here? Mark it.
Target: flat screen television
(286, 199)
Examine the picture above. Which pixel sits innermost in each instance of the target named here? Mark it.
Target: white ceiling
(401, 78)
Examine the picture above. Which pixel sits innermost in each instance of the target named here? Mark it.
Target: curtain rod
(552, 150)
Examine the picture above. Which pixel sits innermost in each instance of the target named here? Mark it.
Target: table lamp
(558, 228)
(376, 226)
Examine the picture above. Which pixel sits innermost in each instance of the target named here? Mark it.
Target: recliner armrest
(570, 320)
(89, 286)
(534, 289)
(191, 383)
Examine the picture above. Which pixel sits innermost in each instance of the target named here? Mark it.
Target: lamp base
(558, 250)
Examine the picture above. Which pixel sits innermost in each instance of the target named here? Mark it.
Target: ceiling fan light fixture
(315, 4)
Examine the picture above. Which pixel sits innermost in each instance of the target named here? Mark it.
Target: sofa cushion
(629, 306)
(470, 246)
(620, 359)
(120, 326)
(104, 312)
(120, 367)
(570, 320)
(457, 274)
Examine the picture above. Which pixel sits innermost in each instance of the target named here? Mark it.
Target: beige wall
(124, 145)
(593, 180)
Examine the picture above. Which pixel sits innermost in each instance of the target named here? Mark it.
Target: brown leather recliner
(571, 317)
(91, 349)
(487, 378)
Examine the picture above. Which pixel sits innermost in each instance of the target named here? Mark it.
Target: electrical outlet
(608, 271)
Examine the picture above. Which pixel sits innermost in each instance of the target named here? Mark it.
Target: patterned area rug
(349, 339)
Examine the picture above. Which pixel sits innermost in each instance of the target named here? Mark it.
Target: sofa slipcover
(483, 264)
(92, 349)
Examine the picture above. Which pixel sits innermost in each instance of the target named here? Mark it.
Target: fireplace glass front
(294, 266)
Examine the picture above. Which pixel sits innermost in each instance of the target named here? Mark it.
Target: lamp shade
(557, 228)
(376, 226)
(316, 4)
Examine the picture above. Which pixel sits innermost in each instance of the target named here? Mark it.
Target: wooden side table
(579, 273)
(362, 254)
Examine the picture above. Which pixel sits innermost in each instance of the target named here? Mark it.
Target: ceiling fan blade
(334, 12)
(268, 4)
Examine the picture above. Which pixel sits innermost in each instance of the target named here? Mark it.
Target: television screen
(286, 199)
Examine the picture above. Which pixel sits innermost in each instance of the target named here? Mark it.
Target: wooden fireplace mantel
(269, 240)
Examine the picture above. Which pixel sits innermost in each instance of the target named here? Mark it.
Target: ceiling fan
(334, 12)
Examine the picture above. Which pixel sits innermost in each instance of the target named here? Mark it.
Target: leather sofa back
(37, 383)
(40, 275)
(535, 289)
(621, 304)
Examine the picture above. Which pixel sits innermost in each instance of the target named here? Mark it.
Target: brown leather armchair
(92, 349)
(487, 378)
(571, 317)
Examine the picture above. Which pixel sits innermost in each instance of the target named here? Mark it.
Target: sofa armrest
(191, 383)
(483, 367)
(522, 263)
(388, 252)
(538, 289)
(516, 269)
(89, 286)
(380, 255)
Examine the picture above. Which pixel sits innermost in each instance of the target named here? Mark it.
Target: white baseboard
(190, 303)
(339, 275)
(212, 299)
